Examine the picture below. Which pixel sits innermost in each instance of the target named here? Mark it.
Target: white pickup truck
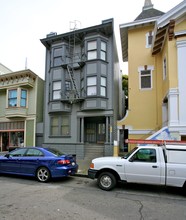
(151, 164)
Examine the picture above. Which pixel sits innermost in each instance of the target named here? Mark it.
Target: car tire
(43, 174)
(106, 181)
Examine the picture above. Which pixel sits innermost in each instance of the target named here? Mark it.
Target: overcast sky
(24, 22)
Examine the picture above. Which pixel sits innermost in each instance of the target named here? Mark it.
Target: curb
(81, 175)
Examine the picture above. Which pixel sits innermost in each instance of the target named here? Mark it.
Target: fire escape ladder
(71, 75)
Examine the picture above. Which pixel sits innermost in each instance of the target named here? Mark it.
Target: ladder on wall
(71, 75)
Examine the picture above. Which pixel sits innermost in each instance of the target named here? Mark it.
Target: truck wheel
(106, 181)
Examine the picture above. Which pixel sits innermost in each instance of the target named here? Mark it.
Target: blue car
(42, 163)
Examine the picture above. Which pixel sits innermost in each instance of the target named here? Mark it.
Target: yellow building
(154, 45)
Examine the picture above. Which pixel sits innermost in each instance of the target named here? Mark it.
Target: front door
(90, 132)
(5, 141)
(101, 132)
(95, 130)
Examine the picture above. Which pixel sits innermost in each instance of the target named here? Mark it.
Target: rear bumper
(92, 173)
(65, 171)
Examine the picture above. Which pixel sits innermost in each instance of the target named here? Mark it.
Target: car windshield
(54, 151)
(129, 153)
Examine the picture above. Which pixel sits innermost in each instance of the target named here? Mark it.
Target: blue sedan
(42, 163)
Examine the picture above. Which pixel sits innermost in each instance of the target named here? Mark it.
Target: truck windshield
(129, 153)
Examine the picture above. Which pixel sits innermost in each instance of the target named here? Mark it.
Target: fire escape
(74, 63)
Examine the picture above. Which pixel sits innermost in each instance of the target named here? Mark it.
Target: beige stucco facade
(161, 104)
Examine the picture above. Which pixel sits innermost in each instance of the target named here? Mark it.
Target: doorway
(12, 139)
(95, 130)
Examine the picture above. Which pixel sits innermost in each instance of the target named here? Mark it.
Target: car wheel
(106, 181)
(43, 174)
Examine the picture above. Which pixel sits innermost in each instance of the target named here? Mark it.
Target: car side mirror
(131, 159)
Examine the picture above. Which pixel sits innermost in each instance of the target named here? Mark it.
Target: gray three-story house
(83, 93)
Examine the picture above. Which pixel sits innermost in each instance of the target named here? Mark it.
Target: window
(18, 153)
(65, 126)
(164, 68)
(103, 86)
(67, 85)
(145, 155)
(92, 50)
(34, 153)
(17, 97)
(23, 97)
(57, 53)
(56, 90)
(12, 98)
(103, 51)
(145, 79)
(82, 87)
(149, 38)
(91, 86)
(60, 125)
(54, 125)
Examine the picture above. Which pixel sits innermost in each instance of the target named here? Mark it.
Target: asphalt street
(79, 198)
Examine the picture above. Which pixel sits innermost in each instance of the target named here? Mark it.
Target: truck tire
(106, 181)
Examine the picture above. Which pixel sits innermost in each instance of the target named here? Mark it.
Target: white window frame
(103, 86)
(147, 38)
(164, 68)
(91, 86)
(103, 51)
(92, 50)
(56, 91)
(148, 68)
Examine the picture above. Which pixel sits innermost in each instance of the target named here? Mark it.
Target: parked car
(42, 163)
(158, 165)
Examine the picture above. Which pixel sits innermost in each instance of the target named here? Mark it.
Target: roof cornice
(139, 22)
(174, 13)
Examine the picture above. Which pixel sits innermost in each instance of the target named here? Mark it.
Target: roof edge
(173, 13)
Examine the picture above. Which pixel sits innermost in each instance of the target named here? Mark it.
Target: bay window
(103, 86)
(103, 51)
(91, 85)
(92, 50)
(17, 97)
(23, 97)
(54, 125)
(60, 125)
(12, 98)
(56, 94)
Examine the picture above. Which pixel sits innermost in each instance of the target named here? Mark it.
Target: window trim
(147, 35)
(92, 50)
(103, 51)
(60, 125)
(13, 98)
(143, 68)
(164, 68)
(18, 98)
(103, 86)
(22, 98)
(56, 90)
(92, 85)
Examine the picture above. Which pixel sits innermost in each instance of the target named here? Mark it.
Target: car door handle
(154, 166)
